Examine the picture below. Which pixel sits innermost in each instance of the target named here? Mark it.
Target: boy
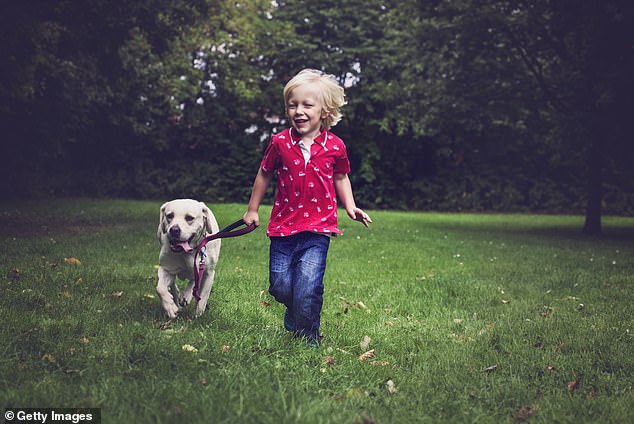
(312, 169)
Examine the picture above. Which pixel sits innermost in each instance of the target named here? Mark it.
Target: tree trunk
(592, 225)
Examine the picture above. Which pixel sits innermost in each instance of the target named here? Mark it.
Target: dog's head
(183, 223)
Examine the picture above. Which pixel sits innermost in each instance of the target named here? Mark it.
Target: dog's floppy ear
(161, 227)
(209, 218)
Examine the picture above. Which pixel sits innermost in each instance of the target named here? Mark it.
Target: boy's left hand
(358, 215)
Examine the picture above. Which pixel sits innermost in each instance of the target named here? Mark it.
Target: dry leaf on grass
(365, 342)
(329, 360)
(491, 368)
(369, 354)
(226, 348)
(49, 358)
(117, 293)
(593, 393)
(166, 324)
(189, 348)
(265, 304)
(72, 261)
(574, 385)
(391, 387)
(524, 413)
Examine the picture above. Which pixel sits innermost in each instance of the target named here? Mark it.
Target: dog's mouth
(181, 246)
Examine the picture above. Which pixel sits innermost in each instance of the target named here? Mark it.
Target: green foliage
(472, 317)
(495, 105)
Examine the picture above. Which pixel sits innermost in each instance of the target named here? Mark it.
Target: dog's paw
(200, 309)
(171, 310)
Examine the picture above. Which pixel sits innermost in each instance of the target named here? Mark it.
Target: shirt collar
(320, 139)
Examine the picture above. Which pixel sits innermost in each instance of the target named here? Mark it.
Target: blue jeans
(296, 273)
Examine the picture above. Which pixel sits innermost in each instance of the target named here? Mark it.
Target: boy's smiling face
(305, 110)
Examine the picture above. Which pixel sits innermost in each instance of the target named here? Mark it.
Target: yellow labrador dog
(183, 224)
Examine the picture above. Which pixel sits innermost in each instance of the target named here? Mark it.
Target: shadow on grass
(612, 233)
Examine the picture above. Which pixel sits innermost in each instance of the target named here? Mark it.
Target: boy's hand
(251, 217)
(358, 215)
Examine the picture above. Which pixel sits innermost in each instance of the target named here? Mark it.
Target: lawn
(428, 317)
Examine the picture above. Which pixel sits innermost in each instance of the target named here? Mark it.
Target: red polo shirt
(305, 198)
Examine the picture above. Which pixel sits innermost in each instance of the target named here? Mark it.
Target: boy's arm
(344, 191)
(260, 185)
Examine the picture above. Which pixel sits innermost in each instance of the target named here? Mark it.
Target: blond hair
(331, 94)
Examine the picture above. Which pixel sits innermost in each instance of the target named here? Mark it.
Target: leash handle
(228, 231)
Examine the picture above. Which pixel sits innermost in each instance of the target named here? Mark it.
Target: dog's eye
(189, 218)
(169, 216)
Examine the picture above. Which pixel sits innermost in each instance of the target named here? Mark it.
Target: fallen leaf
(379, 363)
(72, 261)
(369, 354)
(574, 385)
(329, 360)
(506, 302)
(550, 368)
(524, 413)
(65, 293)
(50, 358)
(117, 293)
(593, 393)
(84, 340)
(265, 303)
(491, 368)
(226, 348)
(166, 324)
(365, 342)
(189, 348)
(389, 323)
(202, 381)
(391, 387)
(457, 321)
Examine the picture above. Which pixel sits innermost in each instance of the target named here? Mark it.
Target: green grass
(473, 318)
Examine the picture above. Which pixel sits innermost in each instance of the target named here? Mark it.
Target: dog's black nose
(175, 231)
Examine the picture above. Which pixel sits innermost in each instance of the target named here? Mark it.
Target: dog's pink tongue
(185, 246)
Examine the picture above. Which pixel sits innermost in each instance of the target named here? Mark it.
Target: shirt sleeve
(342, 164)
(271, 158)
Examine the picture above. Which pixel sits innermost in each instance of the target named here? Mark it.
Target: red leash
(224, 233)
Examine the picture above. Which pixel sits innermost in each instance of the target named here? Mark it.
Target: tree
(533, 72)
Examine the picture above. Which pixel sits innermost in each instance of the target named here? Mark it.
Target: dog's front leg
(187, 294)
(205, 291)
(164, 288)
